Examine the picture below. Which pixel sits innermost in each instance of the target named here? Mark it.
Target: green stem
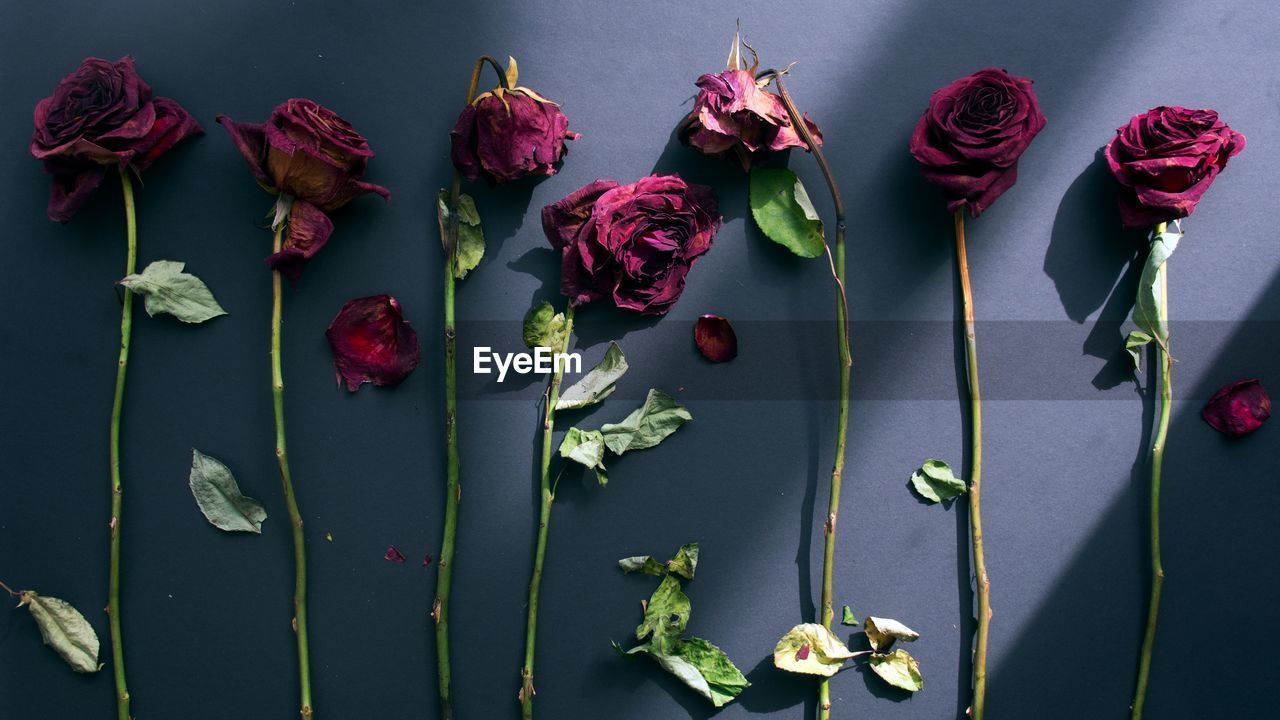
(982, 583)
(122, 366)
(295, 517)
(827, 610)
(1157, 464)
(453, 486)
(544, 521)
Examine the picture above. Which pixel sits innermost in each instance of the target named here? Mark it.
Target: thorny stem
(1157, 463)
(981, 581)
(842, 423)
(295, 517)
(453, 487)
(122, 366)
(544, 521)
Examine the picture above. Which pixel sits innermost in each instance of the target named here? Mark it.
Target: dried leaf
(935, 481)
(648, 425)
(544, 327)
(470, 233)
(219, 497)
(847, 617)
(65, 630)
(597, 384)
(811, 649)
(881, 632)
(700, 665)
(587, 448)
(898, 669)
(169, 290)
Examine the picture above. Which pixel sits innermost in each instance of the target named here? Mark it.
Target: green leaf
(586, 447)
(1147, 311)
(881, 632)
(784, 213)
(219, 498)
(597, 384)
(65, 630)
(647, 564)
(811, 649)
(684, 563)
(847, 618)
(898, 669)
(169, 290)
(700, 665)
(648, 425)
(665, 615)
(544, 327)
(1134, 344)
(935, 481)
(470, 235)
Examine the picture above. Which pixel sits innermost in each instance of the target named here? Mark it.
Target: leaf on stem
(219, 497)
(784, 213)
(935, 481)
(648, 425)
(1147, 312)
(586, 447)
(597, 384)
(470, 234)
(167, 289)
(898, 669)
(544, 327)
(811, 649)
(882, 632)
(65, 630)
(1134, 344)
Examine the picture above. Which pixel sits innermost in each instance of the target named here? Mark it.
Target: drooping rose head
(734, 115)
(372, 342)
(314, 160)
(970, 138)
(100, 115)
(1165, 159)
(633, 244)
(509, 133)
(1238, 408)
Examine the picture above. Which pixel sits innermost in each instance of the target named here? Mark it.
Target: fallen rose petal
(1238, 408)
(394, 554)
(715, 338)
(371, 342)
(426, 561)
(803, 652)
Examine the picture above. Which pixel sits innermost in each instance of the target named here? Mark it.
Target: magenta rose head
(734, 115)
(315, 161)
(633, 244)
(371, 342)
(970, 138)
(1165, 159)
(1238, 408)
(102, 114)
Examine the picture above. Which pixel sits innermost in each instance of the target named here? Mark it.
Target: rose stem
(1157, 463)
(975, 478)
(295, 518)
(544, 520)
(122, 366)
(842, 422)
(453, 488)
(11, 591)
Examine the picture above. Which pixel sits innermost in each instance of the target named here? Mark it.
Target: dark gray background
(207, 614)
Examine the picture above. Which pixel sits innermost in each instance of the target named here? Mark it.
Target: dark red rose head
(1238, 408)
(315, 161)
(371, 342)
(971, 136)
(633, 244)
(509, 133)
(100, 115)
(1165, 159)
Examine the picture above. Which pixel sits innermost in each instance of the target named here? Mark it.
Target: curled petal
(715, 338)
(172, 125)
(250, 139)
(71, 187)
(309, 230)
(371, 342)
(1238, 408)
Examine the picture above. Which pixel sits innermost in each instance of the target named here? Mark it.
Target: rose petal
(394, 555)
(715, 338)
(1238, 408)
(426, 560)
(371, 342)
(309, 229)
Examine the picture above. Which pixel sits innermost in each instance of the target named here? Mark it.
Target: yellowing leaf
(898, 669)
(811, 649)
(65, 630)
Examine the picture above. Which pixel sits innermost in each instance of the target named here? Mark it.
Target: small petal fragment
(371, 342)
(1238, 408)
(715, 338)
(394, 555)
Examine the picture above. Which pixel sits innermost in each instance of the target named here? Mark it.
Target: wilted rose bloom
(970, 138)
(1165, 159)
(371, 342)
(1238, 408)
(715, 338)
(315, 160)
(102, 114)
(507, 135)
(633, 244)
(732, 114)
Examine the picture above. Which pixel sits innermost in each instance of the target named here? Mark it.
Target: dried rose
(733, 114)
(314, 159)
(970, 138)
(715, 338)
(1165, 159)
(509, 133)
(1238, 408)
(371, 342)
(631, 243)
(102, 114)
